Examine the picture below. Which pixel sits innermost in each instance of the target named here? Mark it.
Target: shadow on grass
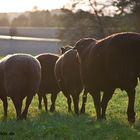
(66, 126)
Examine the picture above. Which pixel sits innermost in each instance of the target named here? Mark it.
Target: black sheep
(20, 76)
(68, 76)
(48, 81)
(3, 96)
(110, 63)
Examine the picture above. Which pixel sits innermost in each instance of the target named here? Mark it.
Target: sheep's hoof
(131, 118)
(82, 111)
(40, 107)
(18, 119)
(77, 113)
(101, 118)
(131, 121)
(52, 109)
(21, 117)
(69, 110)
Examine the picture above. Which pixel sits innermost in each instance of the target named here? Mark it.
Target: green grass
(62, 125)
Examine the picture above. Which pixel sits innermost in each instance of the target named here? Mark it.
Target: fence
(29, 40)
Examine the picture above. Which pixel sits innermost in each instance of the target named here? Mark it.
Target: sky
(27, 5)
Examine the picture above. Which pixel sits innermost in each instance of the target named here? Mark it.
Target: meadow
(62, 125)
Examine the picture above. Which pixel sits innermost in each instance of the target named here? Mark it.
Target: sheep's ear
(62, 50)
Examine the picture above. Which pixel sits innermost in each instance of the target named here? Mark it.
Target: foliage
(21, 20)
(77, 23)
(40, 18)
(127, 6)
(82, 24)
(36, 18)
(4, 19)
(62, 125)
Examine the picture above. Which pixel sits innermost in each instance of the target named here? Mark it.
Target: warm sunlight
(27, 5)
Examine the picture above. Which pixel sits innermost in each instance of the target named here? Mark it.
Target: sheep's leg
(84, 100)
(96, 98)
(53, 99)
(18, 105)
(45, 102)
(25, 111)
(5, 105)
(106, 97)
(68, 101)
(40, 101)
(76, 102)
(131, 102)
(62, 87)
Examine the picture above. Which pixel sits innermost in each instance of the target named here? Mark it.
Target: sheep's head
(65, 48)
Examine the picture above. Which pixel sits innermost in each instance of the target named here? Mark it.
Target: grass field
(62, 125)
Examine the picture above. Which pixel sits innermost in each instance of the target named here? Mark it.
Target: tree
(97, 8)
(98, 14)
(40, 18)
(78, 25)
(21, 20)
(4, 19)
(129, 7)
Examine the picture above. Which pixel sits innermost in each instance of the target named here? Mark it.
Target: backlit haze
(27, 5)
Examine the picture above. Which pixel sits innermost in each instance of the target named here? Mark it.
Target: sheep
(110, 63)
(2, 95)
(20, 76)
(68, 76)
(48, 82)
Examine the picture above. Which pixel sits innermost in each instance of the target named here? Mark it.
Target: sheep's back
(114, 61)
(48, 80)
(21, 73)
(71, 70)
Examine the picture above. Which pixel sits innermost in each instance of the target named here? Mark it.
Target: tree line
(78, 23)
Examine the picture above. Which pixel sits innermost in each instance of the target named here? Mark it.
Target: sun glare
(27, 5)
